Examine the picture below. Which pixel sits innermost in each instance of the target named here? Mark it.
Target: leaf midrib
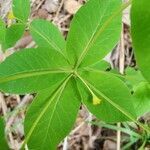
(53, 111)
(32, 73)
(122, 110)
(50, 98)
(90, 69)
(51, 43)
(92, 88)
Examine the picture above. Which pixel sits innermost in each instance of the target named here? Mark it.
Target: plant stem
(90, 90)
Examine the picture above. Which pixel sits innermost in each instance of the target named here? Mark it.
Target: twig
(58, 11)
(90, 130)
(64, 19)
(23, 103)
(4, 110)
(118, 137)
(78, 127)
(65, 145)
(121, 69)
(39, 5)
(26, 147)
(121, 53)
(81, 124)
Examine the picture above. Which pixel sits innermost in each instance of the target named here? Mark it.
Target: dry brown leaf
(72, 6)
(51, 5)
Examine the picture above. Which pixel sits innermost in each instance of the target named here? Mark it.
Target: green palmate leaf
(56, 111)
(45, 70)
(13, 34)
(94, 31)
(21, 9)
(115, 99)
(46, 34)
(140, 22)
(2, 32)
(142, 98)
(31, 70)
(3, 143)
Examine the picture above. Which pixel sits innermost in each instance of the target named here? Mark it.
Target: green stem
(112, 127)
(90, 90)
(142, 146)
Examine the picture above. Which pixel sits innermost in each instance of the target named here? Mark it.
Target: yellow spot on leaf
(10, 15)
(96, 100)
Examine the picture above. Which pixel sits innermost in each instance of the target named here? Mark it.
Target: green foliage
(114, 105)
(130, 129)
(94, 32)
(142, 98)
(46, 35)
(64, 74)
(56, 110)
(133, 78)
(101, 65)
(140, 22)
(21, 10)
(141, 90)
(31, 70)
(3, 143)
(2, 31)
(11, 34)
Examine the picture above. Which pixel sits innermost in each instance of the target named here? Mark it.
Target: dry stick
(90, 128)
(121, 53)
(22, 105)
(4, 110)
(58, 10)
(32, 2)
(78, 127)
(31, 45)
(118, 137)
(121, 69)
(65, 29)
(26, 147)
(39, 5)
(64, 19)
(65, 145)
